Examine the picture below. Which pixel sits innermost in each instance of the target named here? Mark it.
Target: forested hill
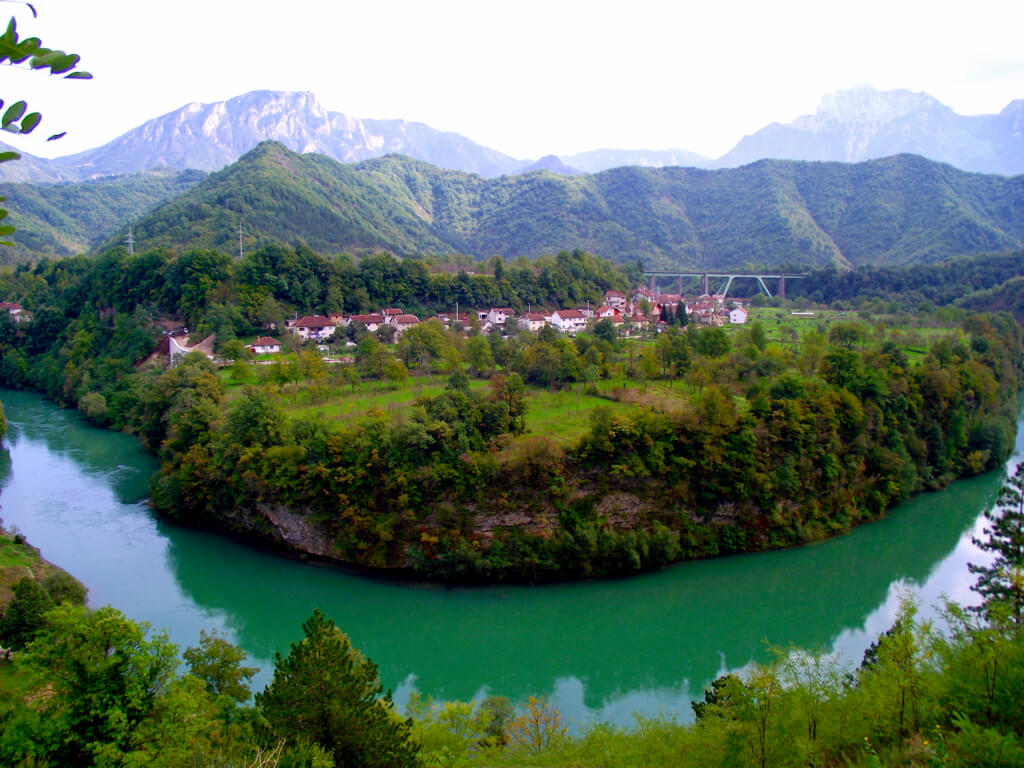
(58, 220)
(898, 210)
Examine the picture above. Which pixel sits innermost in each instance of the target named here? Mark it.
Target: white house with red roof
(402, 323)
(315, 327)
(738, 315)
(569, 320)
(372, 322)
(264, 345)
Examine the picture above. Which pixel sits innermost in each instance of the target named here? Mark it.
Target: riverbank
(19, 560)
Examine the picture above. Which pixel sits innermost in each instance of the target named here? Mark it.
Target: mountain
(554, 164)
(56, 220)
(36, 170)
(898, 210)
(863, 124)
(210, 136)
(849, 126)
(602, 159)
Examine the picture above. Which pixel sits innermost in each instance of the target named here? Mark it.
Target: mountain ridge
(851, 125)
(899, 210)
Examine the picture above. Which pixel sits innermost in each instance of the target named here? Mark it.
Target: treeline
(913, 287)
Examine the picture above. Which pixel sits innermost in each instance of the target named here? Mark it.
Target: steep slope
(56, 220)
(898, 210)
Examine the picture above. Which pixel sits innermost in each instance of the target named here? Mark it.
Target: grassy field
(564, 414)
(561, 415)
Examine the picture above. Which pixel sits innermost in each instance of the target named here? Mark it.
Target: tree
(327, 692)
(1002, 582)
(100, 677)
(24, 615)
(16, 118)
(540, 726)
(218, 664)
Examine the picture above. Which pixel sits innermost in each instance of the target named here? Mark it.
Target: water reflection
(601, 650)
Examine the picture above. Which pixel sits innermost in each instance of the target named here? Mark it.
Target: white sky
(526, 78)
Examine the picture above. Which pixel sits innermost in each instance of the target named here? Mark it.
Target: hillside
(57, 220)
(899, 210)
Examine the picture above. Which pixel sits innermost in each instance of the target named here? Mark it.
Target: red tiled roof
(391, 312)
(265, 341)
(312, 321)
(535, 316)
(571, 314)
(406, 319)
(366, 319)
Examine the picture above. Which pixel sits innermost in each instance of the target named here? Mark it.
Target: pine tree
(327, 692)
(1001, 584)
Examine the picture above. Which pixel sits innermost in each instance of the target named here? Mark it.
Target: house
(609, 312)
(738, 315)
(372, 322)
(391, 312)
(264, 345)
(532, 321)
(498, 315)
(15, 310)
(313, 327)
(615, 299)
(402, 323)
(568, 320)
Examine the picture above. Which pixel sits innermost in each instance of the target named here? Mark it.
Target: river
(599, 650)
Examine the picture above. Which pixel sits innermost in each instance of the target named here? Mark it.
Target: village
(641, 313)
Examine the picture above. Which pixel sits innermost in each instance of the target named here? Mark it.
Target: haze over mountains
(849, 126)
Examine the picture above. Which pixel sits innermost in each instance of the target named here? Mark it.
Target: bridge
(728, 277)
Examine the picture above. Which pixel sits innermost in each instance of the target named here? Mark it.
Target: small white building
(264, 345)
(569, 320)
(738, 316)
(499, 315)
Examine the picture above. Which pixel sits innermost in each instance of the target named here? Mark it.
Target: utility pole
(130, 241)
(240, 252)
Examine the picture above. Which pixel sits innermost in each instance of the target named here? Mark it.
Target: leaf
(6, 229)
(56, 136)
(30, 122)
(79, 75)
(33, 9)
(13, 113)
(6, 156)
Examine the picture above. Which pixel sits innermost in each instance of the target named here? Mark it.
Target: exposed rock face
(210, 136)
(296, 531)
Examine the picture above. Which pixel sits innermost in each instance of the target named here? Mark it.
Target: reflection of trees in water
(119, 458)
(647, 632)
